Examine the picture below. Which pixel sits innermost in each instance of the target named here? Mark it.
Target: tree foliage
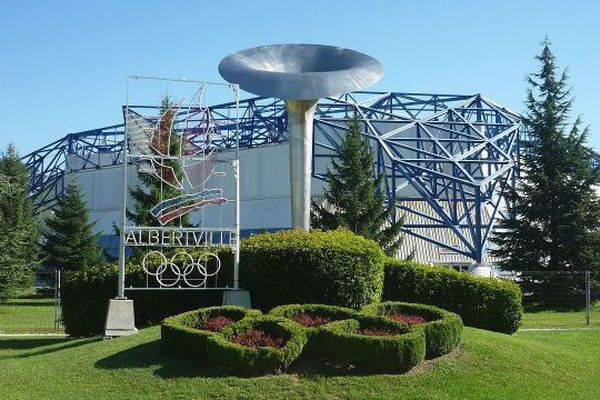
(554, 210)
(69, 242)
(18, 231)
(354, 200)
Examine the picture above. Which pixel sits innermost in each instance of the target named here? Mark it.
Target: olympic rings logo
(181, 267)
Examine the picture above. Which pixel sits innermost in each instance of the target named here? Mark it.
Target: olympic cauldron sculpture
(300, 74)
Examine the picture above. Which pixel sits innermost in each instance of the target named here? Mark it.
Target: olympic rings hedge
(368, 340)
(399, 351)
(241, 359)
(181, 336)
(443, 329)
(327, 313)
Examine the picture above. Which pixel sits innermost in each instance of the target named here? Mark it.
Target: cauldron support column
(300, 127)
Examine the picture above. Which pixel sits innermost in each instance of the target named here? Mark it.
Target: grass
(27, 315)
(562, 319)
(528, 365)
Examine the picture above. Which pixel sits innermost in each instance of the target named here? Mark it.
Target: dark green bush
(85, 296)
(443, 331)
(334, 313)
(238, 359)
(337, 268)
(180, 336)
(486, 303)
(398, 353)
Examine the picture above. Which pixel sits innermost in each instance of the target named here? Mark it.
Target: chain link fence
(34, 310)
(551, 299)
(560, 299)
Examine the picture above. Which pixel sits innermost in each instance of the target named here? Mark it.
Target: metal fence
(551, 299)
(559, 299)
(34, 310)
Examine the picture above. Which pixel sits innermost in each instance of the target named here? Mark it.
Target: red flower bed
(216, 324)
(384, 331)
(258, 338)
(311, 320)
(408, 319)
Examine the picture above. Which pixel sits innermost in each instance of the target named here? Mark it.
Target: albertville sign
(179, 237)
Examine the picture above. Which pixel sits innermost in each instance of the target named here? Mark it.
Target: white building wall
(264, 186)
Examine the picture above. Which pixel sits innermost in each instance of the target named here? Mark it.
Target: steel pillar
(300, 128)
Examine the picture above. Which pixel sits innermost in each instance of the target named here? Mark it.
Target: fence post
(57, 311)
(587, 297)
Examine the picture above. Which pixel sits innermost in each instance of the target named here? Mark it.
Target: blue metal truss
(455, 154)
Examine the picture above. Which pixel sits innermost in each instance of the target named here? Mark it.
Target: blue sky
(63, 64)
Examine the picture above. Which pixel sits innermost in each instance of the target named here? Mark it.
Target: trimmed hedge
(85, 294)
(335, 313)
(443, 331)
(486, 303)
(217, 349)
(336, 267)
(341, 341)
(180, 334)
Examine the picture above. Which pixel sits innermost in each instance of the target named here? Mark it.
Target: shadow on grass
(150, 354)
(42, 345)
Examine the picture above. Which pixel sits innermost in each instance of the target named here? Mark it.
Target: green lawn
(27, 315)
(528, 365)
(555, 319)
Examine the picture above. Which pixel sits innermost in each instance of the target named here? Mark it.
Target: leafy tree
(69, 241)
(354, 200)
(554, 210)
(18, 231)
(148, 194)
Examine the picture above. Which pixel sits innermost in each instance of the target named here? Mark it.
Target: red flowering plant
(311, 320)
(215, 319)
(216, 323)
(313, 316)
(258, 338)
(408, 319)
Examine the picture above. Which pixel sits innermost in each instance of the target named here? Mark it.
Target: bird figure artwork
(176, 148)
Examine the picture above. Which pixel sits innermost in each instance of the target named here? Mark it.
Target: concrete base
(237, 298)
(120, 320)
(481, 270)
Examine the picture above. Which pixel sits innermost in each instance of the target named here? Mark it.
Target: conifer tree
(148, 194)
(18, 231)
(554, 210)
(354, 199)
(69, 242)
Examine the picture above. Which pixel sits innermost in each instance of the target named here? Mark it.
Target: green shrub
(334, 313)
(398, 353)
(84, 299)
(85, 296)
(336, 267)
(486, 303)
(180, 336)
(239, 359)
(443, 331)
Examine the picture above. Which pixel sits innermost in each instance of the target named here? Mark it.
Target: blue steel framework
(454, 153)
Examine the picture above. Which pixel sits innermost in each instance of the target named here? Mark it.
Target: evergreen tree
(554, 210)
(354, 199)
(148, 194)
(69, 243)
(18, 231)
